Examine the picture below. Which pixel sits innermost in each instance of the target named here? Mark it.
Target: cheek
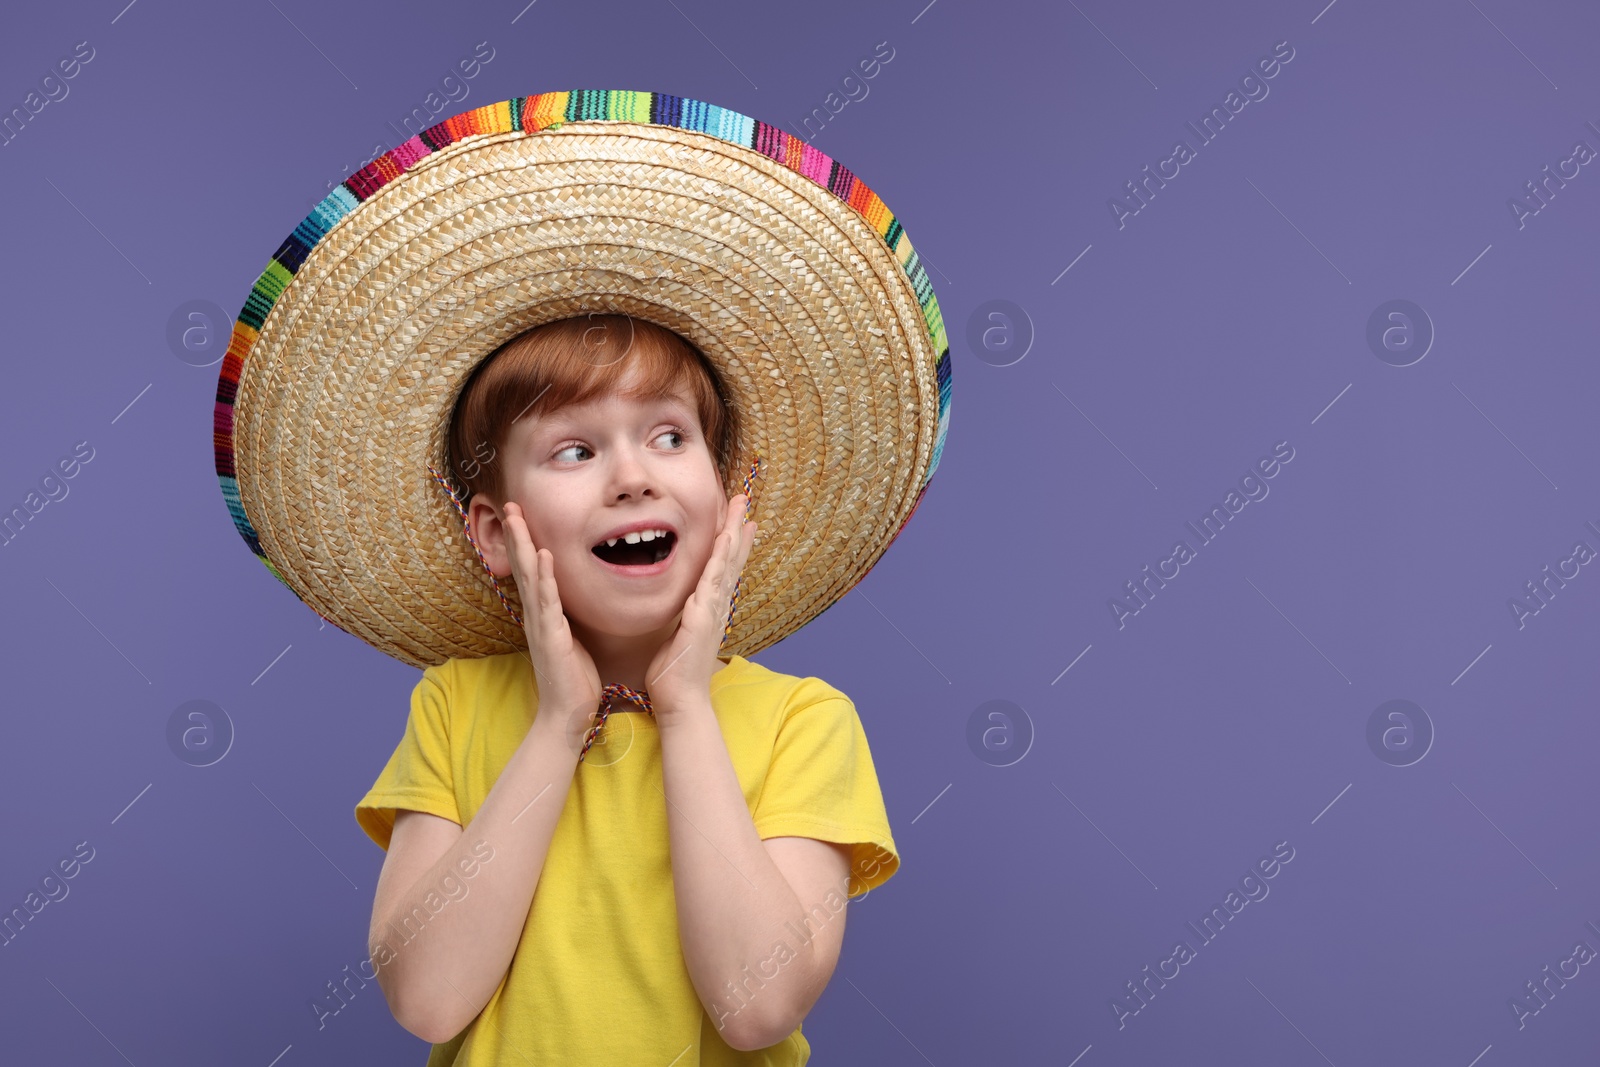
(544, 522)
(535, 534)
(711, 516)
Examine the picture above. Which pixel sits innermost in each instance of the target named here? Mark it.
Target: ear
(489, 530)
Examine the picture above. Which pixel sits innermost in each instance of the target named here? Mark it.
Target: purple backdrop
(1373, 261)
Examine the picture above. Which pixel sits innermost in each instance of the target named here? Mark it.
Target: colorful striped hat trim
(532, 114)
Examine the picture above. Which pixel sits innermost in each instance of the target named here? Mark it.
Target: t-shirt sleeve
(417, 776)
(822, 784)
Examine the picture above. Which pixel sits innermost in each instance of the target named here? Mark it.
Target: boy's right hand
(567, 679)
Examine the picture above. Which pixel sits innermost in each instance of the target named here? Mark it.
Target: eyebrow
(562, 419)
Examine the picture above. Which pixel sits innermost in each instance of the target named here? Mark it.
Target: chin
(626, 623)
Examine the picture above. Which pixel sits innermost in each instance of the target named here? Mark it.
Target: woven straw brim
(808, 316)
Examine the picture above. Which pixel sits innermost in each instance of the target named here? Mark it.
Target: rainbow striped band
(531, 114)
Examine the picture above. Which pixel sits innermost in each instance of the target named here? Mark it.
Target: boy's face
(587, 470)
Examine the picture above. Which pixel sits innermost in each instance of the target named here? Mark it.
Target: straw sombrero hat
(788, 273)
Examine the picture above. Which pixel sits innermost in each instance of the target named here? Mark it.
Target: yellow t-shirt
(599, 975)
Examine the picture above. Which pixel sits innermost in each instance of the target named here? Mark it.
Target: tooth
(611, 542)
(632, 538)
(647, 535)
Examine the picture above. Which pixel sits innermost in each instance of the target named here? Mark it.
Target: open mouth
(640, 554)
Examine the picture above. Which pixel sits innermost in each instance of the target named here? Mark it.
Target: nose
(630, 475)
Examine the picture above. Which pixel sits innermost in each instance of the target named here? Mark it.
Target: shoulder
(754, 691)
(749, 684)
(477, 670)
(462, 683)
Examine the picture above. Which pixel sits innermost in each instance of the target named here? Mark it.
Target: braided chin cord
(616, 690)
(613, 691)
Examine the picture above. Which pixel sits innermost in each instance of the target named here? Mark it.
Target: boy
(583, 315)
(574, 916)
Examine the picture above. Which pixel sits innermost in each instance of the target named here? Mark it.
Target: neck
(623, 659)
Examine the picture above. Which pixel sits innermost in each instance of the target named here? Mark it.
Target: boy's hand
(568, 681)
(681, 671)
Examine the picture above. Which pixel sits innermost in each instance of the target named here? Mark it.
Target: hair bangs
(573, 361)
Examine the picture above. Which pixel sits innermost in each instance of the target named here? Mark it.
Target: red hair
(571, 361)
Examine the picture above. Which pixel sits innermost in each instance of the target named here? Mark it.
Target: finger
(712, 587)
(515, 539)
(533, 564)
(741, 538)
(546, 601)
(536, 565)
(732, 517)
(523, 549)
(518, 524)
(719, 558)
(738, 551)
(746, 544)
(549, 596)
(710, 584)
(729, 573)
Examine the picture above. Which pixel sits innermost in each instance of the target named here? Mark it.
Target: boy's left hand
(680, 674)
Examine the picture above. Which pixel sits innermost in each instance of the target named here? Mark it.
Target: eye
(679, 434)
(568, 448)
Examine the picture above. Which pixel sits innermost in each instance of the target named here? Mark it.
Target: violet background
(1228, 715)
